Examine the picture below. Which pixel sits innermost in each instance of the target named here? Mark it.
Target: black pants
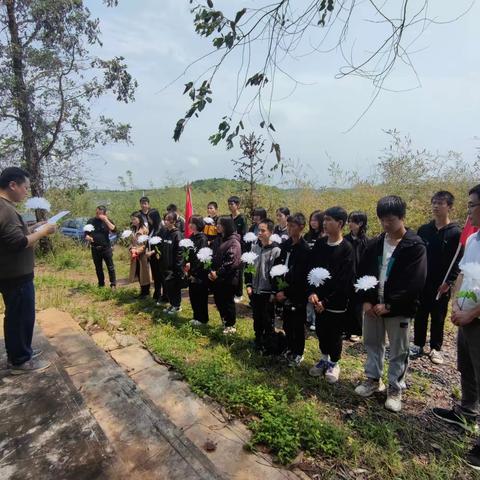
(99, 255)
(239, 287)
(354, 318)
(198, 293)
(223, 295)
(437, 310)
(158, 281)
(329, 328)
(173, 288)
(19, 321)
(294, 327)
(262, 309)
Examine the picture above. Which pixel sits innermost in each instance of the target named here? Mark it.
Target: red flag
(188, 211)
(468, 229)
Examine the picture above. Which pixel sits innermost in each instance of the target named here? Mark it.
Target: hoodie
(406, 273)
(226, 259)
(261, 282)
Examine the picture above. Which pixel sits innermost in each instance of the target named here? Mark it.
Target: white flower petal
(88, 228)
(186, 243)
(249, 237)
(276, 238)
(39, 203)
(317, 276)
(366, 282)
(126, 234)
(205, 254)
(208, 220)
(142, 238)
(155, 240)
(249, 257)
(278, 270)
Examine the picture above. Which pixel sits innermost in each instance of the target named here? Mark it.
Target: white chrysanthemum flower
(38, 203)
(155, 240)
(126, 234)
(276, 238)
(186, 243)
(249, 258)
(284, 237)
(317, 276)
(471, 270)
(278, 270)
(208, 220)
(205, 254)
(249, 237)
(142, 238)
(367, 282)
(88, 228)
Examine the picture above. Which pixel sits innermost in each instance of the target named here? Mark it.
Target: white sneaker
(195, 323)
(229, 330)
(166, 310)
(332, 373)
(355, 338)
(174, 310)
(319, 369)
(237, 299)
(312, 327)
(296, 361)
(394, 400)
(369, 387)
(436, 357)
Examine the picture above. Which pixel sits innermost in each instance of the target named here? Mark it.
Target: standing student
(241, 228)
(330, 300)
(259, 284)
(180, 222)
(293, 297)
(466, 316)
(398, 259)
(171, 263)
(139, 266)
(99, 240)
(259, 214)
(210, 230)
(282, 215)
(357, 223)
(144, 210)
(225, 273)
(441, 236)
(197, 275)
(16, 273)
(153, 254)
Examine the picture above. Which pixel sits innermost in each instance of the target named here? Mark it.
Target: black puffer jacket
(226, 259)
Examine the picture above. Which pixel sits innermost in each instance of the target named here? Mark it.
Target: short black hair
(284, 211)
(102, 208)
(360, 218)
(144, 199)
(268, 223)
(198, 221)
(475, 190)
(298, 218)
(213, 204)
(171, 208)
(260, 212)
(444, 195)
(13, 174)
(226, 221)
(339, 214)
(234, 199)
(172, 215)
(391, 205)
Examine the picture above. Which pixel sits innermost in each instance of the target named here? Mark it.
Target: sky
(314, 117)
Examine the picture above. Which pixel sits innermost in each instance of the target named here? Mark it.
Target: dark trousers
(329, 328)
(437, 310)
(173, 288)
(223, 295)
(100, 255)
(19, 321)
(157, 279)
(239, 287)
(294, 327)
(468, 359)
(262, 310)
(198, 293)
(354, 318)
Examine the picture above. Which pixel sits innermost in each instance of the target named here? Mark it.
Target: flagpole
(450, 268)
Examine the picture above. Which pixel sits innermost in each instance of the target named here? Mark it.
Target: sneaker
(355, 338)
(473, 458)
(238, 299)
(295, 361)
(452, 416)
(174, 310)
(195, 323)
(161, 303)
(33, 365)
(319, 369)
(312, 327)
(287, 355)
(369, 387)
(394, 400)
(332, 373)
(436, 357)
(35, 353)
(229, 330)
(416, 351)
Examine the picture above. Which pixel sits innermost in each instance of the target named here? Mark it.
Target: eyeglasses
(472, 205)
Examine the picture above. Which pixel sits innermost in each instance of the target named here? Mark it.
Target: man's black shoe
(473, 458)
(451, 416)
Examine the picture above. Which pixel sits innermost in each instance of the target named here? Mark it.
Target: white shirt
(471, 255)
(388, 250)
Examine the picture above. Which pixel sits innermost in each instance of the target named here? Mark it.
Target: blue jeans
(19, 321)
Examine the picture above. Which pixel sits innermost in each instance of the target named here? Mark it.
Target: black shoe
(451, 416)
(473, 458)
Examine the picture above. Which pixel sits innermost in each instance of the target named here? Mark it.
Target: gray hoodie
(261, 281)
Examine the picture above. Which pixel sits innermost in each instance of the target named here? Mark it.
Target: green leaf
(240, 14)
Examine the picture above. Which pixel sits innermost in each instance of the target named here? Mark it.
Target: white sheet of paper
(55, 218)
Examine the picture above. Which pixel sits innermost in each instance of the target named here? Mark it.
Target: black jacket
(311, 237)
(171, 260)
(359, 245)
(197, 273)
(296, 277)
(101, 234)
(226, 259)
(406, 277)
(441, 247)
(338, 260)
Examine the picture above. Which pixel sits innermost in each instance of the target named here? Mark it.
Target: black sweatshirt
(171, 260)
(407, 273)
(197, 271)
(339, 261)
(295, 256)
(101, 234)
(359, 245)
(441, 247)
